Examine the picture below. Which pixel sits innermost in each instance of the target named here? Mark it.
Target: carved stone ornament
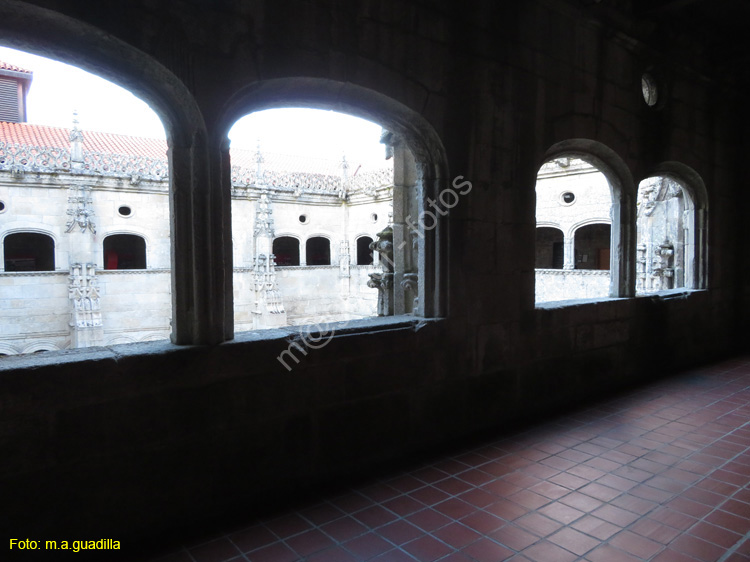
(83, 291)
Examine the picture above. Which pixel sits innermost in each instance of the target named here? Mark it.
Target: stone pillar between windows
(405, 238)
(569, 252)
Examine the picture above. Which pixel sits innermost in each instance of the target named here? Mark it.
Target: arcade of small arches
(576, 203)
(583, 242)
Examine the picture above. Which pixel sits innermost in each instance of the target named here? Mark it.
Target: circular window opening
(649, 89)
(568, 197)
(2, 206)
(125, 211)
(303, 219)
(374, 217)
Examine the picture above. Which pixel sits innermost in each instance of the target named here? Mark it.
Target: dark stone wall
(133, 440)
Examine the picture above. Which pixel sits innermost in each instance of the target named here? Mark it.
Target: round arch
(624, 192)
(68, 40)
(406, 123)
(587, 222)
(40, 345)
(7, 349)
(697, 219)
(200, 314)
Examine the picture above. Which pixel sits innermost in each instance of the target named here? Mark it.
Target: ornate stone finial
(258, 165)
(76, 141)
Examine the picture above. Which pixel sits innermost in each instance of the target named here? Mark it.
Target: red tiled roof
(109, 143)
(57, 137)
(14, 68)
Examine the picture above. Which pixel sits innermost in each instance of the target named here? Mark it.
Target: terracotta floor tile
(514, 537)
(634, 504)
(596, 527)
(672, 518)
(529, 499)
(394, 555)
(456, 535)
(608, 553)
(506, 509)
(486, 550)
(549, 490)
(309, 542)
(403, 505)
(581, 502)
(561, 512)
(600, 492)
(335, 554)
(276, 552)
(367, 546)
(547, 551)
(728, 521)
(427, 549)
(717, 535)
(428, 519)
(690, 507)
(659, 474)
(697, 548)
(344, 529)
(636, 545)
(400, 532)
(483, 522)
(454, 508)
(736, 507)
(478, 498)
(573, 540)
(453, 486)
(570, 481)
(374, 517)
(429, 495)
(538, 524)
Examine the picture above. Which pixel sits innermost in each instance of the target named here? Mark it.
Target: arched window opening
(104, 139)
(318, 251)
(364, 253)
(289, 175)
(124, 251)
(572, 259)
(29, 251)
(670, 232)
(549, 248)
(286, 250)
(592, 243)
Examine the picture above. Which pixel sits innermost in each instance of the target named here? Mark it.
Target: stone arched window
(364, 253)
(549, 248)
(286, 250)
(318, 251)
(124, 251)
(592, 246)
(671, 242)
(29, 251)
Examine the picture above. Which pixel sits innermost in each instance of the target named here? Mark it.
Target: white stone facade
(78, 204)
(571, 195)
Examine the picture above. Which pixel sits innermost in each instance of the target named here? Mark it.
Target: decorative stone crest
(83, 291)
(79, 209)
(383, 281)
(264, 215)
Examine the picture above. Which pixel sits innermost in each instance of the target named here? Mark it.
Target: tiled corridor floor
(662, 473)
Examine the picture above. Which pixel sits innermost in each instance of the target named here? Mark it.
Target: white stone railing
(568, 284)
(20, 158)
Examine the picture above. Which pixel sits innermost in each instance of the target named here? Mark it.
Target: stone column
(569, 252)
